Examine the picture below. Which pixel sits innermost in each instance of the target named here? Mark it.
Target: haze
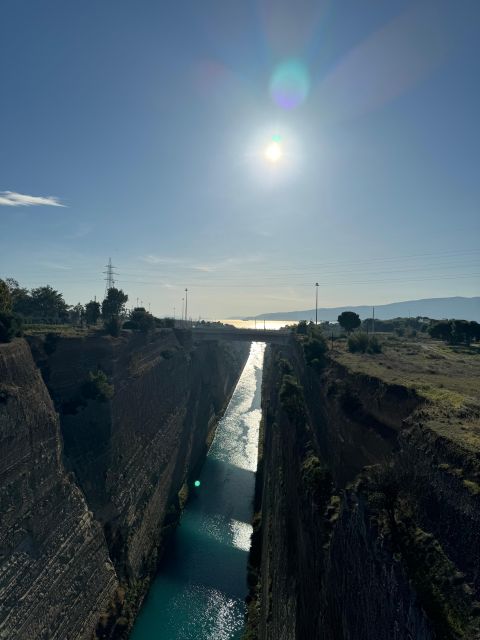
(143, 132)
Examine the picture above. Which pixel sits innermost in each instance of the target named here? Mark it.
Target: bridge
(244, 335)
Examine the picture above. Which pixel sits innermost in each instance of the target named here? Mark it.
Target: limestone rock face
(367, 521)
(132, 453)
(55, 570)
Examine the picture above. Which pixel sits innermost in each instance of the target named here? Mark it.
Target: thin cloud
(153, 259)
(13, 199)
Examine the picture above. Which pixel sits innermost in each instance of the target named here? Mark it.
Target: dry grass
(448, 377)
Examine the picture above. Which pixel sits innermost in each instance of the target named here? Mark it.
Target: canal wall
(114, 428)
(362, 526)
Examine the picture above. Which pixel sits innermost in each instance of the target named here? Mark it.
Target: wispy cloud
(55, 265)
(13, 199)
(228, 262)
(153, 259)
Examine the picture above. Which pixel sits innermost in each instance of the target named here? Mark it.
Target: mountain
(438, 308)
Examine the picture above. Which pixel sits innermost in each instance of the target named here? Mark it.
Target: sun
(273, 152)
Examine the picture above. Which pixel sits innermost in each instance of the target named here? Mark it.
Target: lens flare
(290, 84)
(197, 483)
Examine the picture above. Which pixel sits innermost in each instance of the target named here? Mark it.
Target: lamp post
(186, 304)
(183, 308)
(316, 303)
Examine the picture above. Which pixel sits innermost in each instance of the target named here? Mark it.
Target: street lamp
(186, 304)
(316, 302)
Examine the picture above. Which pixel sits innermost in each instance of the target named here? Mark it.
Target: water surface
(200, 591)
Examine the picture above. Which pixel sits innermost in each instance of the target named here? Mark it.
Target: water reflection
(200, 592)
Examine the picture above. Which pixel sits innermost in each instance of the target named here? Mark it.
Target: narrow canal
(200, 591)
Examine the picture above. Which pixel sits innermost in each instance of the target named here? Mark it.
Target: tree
(441, 330)
(114, 303)
(92, 312)
(113, 326)
(48, 304)
(5, 297)
(76, 314)
(10, 326)
(140, 320)
(97, 387)
(21, 299)
(349, 320)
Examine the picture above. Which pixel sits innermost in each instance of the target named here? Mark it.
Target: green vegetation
(92, 312)
(113, 326)
(10, 326)
(5, 297)
(291, 398)
(455, 331)
(349, 320)
(114, 304)
(97, 387)
(445, 375)
(140, 320)
(316, 477)
(362, 343)
(313, 344)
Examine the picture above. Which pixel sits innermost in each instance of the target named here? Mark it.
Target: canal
(200, 591)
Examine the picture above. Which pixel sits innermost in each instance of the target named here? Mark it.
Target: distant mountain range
(456, 307)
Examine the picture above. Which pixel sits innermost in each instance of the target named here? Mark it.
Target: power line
(109, 279)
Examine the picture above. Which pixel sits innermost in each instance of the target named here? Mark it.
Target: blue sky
(148, 121)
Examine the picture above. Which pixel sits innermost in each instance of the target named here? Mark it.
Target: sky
(142, 131)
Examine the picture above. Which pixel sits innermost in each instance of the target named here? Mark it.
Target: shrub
(291, 397)
(10, 326)
(374, 345)
(314, 347)
(113, 326)
(141, 320)
(358, 343)
(97, 387)
(316, 477)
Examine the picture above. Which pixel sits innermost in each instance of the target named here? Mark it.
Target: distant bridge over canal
(244, 335)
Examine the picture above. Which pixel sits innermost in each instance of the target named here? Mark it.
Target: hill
(454, 307)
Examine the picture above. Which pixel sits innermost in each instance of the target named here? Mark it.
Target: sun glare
(273, 152)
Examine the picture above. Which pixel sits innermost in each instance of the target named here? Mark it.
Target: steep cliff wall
(394, 554)
(131, 453)
(55, 572)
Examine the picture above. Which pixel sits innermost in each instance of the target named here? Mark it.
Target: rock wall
(55, 571)
(346, 550)
(97, 453)
(132, 453)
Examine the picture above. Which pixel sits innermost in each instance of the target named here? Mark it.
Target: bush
(362, 343)
(10, 326)
(291, 397)
(113, 326)
(141, 320)
(374, 345)
(97, 387)
(358, 343)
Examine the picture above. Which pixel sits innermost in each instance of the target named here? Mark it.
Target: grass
(66, 330)
(445, 376)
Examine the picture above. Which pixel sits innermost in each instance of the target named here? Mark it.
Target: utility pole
(316, 303)
(174, 312)
(186, 304)
(373, 321)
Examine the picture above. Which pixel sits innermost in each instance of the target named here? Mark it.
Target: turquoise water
(200, 591)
